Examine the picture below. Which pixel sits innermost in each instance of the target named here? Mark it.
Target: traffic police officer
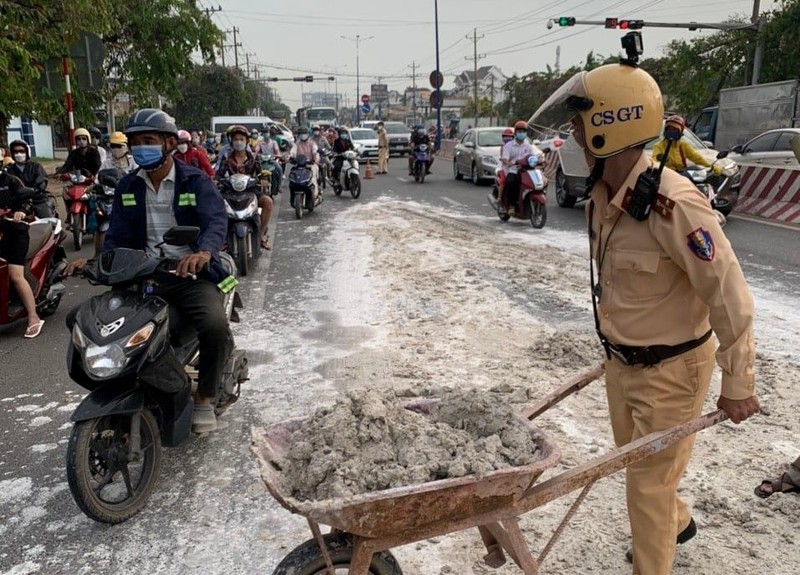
(666, 276)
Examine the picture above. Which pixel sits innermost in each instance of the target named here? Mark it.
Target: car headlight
(490, 160)
(104, 361)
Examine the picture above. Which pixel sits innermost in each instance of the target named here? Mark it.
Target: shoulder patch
(701, 244)
(663, 206)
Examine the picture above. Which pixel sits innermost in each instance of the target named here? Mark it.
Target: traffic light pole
(638, 24)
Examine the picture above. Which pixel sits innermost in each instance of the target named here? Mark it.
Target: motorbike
(301, 189)
(139, 363)
(421, 159)
(44, 203)
(269, 163)
(721, 190)
(532, 194)
(103, 202)
(349, 176)
(77, 196)
(45, 263)
(325, 168)
(241, 204)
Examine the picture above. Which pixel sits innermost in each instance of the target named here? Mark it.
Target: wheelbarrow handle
(564, 391)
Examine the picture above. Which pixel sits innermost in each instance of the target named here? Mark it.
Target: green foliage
(484, 108)
(211, 90)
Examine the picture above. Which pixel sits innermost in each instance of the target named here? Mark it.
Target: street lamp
(357, 40)
(438, 141)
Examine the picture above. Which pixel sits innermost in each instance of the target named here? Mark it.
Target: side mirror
(181, 235)
(469, 144)
(722, 154)
(738, 149)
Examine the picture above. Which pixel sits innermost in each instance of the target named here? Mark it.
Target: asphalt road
(213, 483)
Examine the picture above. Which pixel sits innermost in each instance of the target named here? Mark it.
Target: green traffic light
(563, 21)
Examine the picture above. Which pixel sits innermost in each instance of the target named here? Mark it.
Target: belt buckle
(616, 352)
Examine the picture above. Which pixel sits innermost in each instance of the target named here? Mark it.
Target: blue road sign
(365, 108)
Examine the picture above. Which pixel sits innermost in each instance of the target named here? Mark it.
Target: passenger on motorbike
(681, 151)
(271, 147)
(161, 194)
(196, 143)
(242, 161)
(224, 149)
(507, 136)
(83, 156)
(341, 145)
(419, 137)
(308, 148)
(189, 155)
(97, 143)
(324, 147)
(120, 157)
(14, 245)
(32, 175)
(512, 152)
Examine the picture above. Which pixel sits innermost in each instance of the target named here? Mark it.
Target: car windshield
(396, 128)
(688, 135)
(363, 135)
(490, 138)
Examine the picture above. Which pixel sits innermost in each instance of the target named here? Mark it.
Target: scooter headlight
(104, 361)
(239, 182)
(699, 175)
(78, 339)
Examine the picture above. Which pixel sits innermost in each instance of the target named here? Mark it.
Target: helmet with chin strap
(150, 120)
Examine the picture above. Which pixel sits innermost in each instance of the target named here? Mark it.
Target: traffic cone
(368, 172)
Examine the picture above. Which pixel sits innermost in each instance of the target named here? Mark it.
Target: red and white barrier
(772, 193)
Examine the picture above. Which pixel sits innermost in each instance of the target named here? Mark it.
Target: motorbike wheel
(78, 225)
(355, 186)
(337, 190)
(538, 214)
(307, 559)
(98, 470)
(241, 256)
(563, 198)
(723, 206)
(503, 217)
(298, 206)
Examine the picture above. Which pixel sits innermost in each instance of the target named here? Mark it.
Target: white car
(365, 142)
(773, 148)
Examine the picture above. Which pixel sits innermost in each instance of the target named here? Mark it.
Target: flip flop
(265, 243)
(776, 486)
(34, 330)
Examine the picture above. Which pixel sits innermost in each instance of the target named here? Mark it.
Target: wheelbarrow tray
(403, 509)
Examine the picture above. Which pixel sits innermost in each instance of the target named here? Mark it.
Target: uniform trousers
(643, 400)
(383, 159)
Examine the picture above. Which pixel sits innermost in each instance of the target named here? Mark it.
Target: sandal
(34, 330)
(265, 243)
(776, 486)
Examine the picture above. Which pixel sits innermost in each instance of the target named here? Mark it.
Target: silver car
(478, 154)
(773, 148)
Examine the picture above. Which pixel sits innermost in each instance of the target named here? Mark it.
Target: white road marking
(453, 202)
(404, 180)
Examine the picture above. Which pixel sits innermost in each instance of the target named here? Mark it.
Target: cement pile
(368, 442)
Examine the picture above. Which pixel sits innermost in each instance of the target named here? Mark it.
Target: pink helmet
(184, 136)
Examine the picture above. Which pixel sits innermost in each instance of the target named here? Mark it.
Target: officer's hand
(75, 266)
(191, 264)
(738, 409)
(18, 217)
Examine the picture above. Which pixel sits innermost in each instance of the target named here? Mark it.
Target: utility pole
(222, 48)
(357, 40)
(475, 59)
(558, 59)
(414, 92)
(491, 121)
(758, 56)
(236, 46)
(247, 64)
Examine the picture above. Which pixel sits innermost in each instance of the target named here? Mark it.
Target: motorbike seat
(40, 233)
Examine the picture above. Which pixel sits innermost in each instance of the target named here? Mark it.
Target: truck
(744, 113)
(317, 115)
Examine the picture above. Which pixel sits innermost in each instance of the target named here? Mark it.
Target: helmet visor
(564, 104)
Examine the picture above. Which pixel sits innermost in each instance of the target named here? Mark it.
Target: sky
(287, 39)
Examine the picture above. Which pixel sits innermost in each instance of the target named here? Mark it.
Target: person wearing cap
(161, 194)
(84, 157)
(120, 157)
(33, 176)
(383, 149)
(187, 154)
(666, 278)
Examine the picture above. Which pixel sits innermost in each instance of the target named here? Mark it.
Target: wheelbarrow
(365, 527)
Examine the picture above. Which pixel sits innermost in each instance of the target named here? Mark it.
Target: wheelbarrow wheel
(307, 559)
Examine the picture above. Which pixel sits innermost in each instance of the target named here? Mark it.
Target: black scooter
(301, 188)
(140, 367)
(244, 223)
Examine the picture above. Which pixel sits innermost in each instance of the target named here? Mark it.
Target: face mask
(520, 136)
(95, 141)
(304, 137)
(81, 143)
(149, 157)
(316, 135)
(239, 145)
(118, 152)
(183, 148)
(195, 141)
(20, 158)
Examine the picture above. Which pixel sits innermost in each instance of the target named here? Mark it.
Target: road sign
(436, 99)
(365, 99)
(379, 91)
(365, 108)
(436, 79)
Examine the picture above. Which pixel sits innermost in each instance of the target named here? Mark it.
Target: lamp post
(438, 140)
(357, 40)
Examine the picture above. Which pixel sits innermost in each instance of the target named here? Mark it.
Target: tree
(211, 90)
(484, 108)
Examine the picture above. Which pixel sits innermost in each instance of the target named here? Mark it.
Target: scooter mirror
(722, 154)
(181, 235)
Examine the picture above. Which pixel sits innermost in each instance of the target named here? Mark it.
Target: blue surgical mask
(149, 157)
(520, 136)
(304, 137)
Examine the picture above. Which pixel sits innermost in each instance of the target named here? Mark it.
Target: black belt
(652, 354)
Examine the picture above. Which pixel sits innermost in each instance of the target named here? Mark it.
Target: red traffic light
(623, 25)
(630, 24)
(611, 22)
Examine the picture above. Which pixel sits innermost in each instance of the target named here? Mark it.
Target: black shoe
(684, 536)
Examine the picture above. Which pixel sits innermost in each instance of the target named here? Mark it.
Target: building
(490, 84)
(320, 99)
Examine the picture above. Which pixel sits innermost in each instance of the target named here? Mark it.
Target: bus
(321, 116)
(220, 123)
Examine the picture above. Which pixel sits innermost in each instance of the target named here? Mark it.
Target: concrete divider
(770, 192)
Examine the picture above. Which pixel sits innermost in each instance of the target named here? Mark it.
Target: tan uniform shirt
(668, 279)
(383, 138)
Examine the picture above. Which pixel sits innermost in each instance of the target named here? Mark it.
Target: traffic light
(303, 78)
(611, 22)
(566, 21)
(630, 24)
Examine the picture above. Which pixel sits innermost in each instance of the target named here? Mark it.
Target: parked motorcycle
(421, 159)
(103, 202)
(349, 176)
(241, 204)
(44, 266)
(302, 192)
(139, 365)
(532, 203)
(77, 196)
(721, 190)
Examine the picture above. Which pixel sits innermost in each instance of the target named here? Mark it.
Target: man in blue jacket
(161, 194)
